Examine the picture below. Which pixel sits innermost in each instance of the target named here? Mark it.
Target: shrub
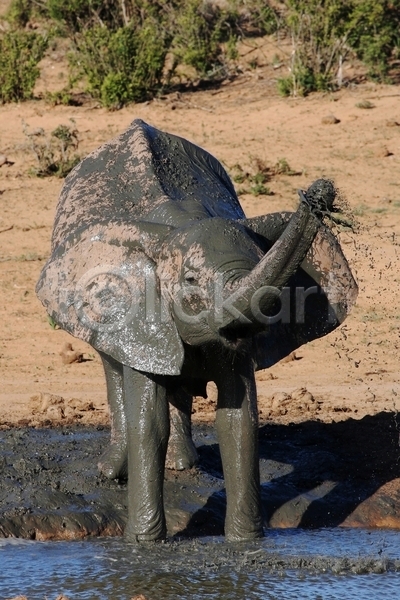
(373, 32)
(324, 32)
(62, 97)
(199, 30)
(76, 15)
(317, 30)
(125, 63)
(54, 152)
(119, 47)
(121, 66)
(20, 12)
(20, 53)
(255, 179)
(253, 17)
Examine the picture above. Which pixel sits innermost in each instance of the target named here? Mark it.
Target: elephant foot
(244, 529)
(157, 534)
(113, 463)
(181, 454)
(243, 536)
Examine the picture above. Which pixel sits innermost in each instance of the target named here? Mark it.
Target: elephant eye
(191, 278)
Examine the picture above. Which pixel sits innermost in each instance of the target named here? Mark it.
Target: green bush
(253, 17)
(119, 47)
(126, 63)
(20, 53)
(317, 29)
(20, 12)
(198, 33)
(121, 66)
(373, 32)
(72, 15)
(54, 152)
(324, 32)
(78, 15)
(62, 97)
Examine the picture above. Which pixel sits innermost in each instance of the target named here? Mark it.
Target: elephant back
(144, 174)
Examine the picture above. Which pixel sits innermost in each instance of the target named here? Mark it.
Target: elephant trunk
(258, 290)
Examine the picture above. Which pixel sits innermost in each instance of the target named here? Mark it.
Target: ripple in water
(290, 564)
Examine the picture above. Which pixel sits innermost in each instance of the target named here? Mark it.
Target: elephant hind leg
(113, 463)
(182, 453)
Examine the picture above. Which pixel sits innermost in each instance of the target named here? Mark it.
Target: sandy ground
(352, 372)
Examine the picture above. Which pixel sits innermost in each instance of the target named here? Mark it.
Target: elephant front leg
(237, 428)
(147, 417)
(182, 453)
(114, 462)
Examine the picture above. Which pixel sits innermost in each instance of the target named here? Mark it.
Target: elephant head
(212, 270)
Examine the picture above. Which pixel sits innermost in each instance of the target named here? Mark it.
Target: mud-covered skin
(147, 227)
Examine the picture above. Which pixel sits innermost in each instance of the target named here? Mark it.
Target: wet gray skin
(155, 265)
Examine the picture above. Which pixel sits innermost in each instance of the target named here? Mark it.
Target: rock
(329, 120)
(291, 357)
(69, 355)
(55, 413)
(80, 405)
(42, 401)
(3, 160)
(302, 394)
(383, 152)
(392, 123)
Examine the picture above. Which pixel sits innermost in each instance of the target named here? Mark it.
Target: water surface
(290, 564)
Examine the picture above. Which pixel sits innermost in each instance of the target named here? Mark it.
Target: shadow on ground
(313, 475)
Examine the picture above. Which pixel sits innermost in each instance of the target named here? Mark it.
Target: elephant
(155, 265)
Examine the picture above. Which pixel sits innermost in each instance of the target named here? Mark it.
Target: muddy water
(290, 564)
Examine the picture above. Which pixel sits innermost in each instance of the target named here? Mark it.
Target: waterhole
(290, 564)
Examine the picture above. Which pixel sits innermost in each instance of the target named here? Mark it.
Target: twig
(7, 229)
(124, 13)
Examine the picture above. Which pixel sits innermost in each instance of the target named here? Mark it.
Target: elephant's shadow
(313, 474)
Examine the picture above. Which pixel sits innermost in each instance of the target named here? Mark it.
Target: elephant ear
(317, 299)
(107, 294)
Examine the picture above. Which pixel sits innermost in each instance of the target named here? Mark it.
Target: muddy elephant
(156, 266)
